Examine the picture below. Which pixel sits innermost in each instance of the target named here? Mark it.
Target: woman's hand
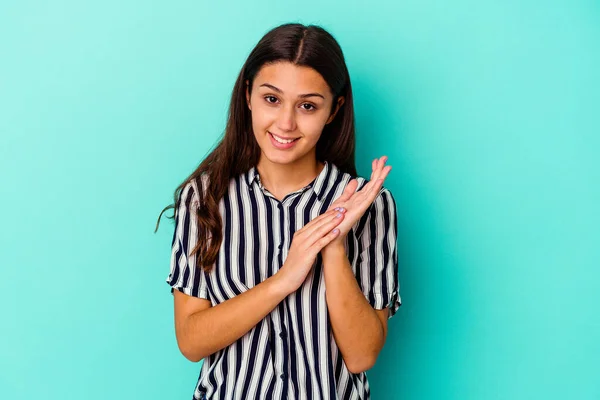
(306, 244)
(356, 203)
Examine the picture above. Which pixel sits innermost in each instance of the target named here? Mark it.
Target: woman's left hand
(356, 203)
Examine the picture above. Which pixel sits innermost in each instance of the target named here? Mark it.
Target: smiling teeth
(281, 140)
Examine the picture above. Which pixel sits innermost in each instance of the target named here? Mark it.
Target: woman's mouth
(282, 143)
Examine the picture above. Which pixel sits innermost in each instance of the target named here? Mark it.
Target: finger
(376, 166)
(380, 171)
(367, 186)
(317, 220)
(371, 189)
(323, 230)
(325, 240)
(346, 195)
(373, 168)
(383, 170)
(348, 191)
(380, 164)
(330, 219)
(375, 187)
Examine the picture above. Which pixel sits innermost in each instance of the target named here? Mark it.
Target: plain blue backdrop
(488, 111)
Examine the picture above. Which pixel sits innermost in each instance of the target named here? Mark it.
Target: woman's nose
(286, 120)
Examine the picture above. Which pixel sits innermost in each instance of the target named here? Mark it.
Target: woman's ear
(248, 94)
(338, 105)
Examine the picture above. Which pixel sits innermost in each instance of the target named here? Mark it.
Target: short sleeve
(184, 275)
(377, 269)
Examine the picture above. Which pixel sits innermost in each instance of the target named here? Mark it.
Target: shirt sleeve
(184, 275)
(377, 269)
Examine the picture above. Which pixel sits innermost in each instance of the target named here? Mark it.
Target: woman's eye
(305, 106)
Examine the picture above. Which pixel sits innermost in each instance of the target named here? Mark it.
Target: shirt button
(282, 335)
(280, 246)
(282, 376)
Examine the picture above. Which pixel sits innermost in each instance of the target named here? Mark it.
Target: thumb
(349, 190)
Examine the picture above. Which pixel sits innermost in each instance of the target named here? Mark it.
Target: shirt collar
(319, 184)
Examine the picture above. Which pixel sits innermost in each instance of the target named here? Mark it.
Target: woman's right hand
(306, 244)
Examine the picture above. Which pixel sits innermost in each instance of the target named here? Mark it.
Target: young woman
(284, 262)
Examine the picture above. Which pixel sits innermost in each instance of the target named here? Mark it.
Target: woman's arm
(359, 330)
(202, 330)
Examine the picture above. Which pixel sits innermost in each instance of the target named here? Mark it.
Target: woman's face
(289, 102)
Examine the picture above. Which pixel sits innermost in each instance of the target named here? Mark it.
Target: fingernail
(336, 230)
(338, 215)
(337, 209)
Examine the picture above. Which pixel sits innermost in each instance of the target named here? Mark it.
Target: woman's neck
(282, 179)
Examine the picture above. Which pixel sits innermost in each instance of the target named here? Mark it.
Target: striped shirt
(291, 353)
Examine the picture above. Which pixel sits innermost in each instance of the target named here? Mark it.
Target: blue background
(488, 111)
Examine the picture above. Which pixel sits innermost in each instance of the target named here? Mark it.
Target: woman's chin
(276, 157)
(281, 159)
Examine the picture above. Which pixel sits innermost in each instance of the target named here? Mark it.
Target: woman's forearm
(357, 329)
(208, 331)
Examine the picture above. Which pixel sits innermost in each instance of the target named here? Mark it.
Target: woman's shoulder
(194, 183)
(191, 190)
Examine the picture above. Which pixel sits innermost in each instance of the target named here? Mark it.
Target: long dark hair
(238, 151)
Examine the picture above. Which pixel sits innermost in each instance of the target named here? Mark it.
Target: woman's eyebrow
(301, 95)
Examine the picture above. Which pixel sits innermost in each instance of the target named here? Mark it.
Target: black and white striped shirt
(291, 353)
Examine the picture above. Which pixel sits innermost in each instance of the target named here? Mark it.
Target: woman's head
(290, 60)
(290, 106)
